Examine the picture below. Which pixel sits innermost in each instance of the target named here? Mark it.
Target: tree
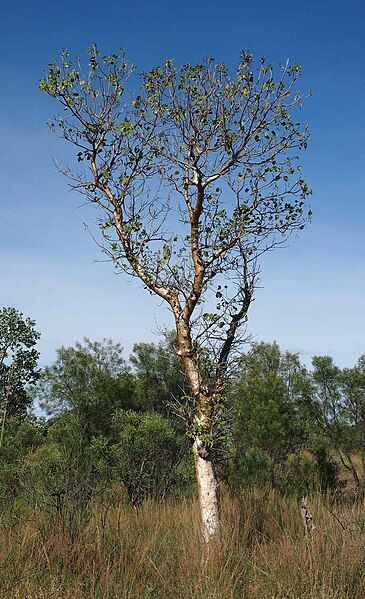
(194, 181)
(146, 454)
(268, 395)
(273, 423)
(353, 386)
(341, 413)
(160, 383)
(81, 392)
(270, 419)
(90, 381)
(18, 363)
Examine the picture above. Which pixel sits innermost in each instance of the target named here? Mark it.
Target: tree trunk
(204, 471)
(208, 496)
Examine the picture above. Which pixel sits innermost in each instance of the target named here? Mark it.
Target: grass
(113, 552)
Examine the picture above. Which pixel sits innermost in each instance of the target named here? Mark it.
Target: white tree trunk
(208, 496)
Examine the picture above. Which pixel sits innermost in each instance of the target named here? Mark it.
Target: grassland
(110, 551)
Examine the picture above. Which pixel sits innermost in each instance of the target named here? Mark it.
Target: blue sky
(312, 295)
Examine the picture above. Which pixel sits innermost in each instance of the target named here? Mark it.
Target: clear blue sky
(313, 292)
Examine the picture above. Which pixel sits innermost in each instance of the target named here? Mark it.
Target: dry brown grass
(154, 552)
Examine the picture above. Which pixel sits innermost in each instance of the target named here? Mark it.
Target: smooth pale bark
(208, 496)
(204, 471)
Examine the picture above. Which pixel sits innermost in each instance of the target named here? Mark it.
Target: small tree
(160, 381)
(81, 391)
(268, 399)
(89, 381)
(340, 398)
(194, 181)
(353, 386)
(18, 363)
(146, 454)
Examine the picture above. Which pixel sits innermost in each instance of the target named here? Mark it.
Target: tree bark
(204, 471)
(208, 496)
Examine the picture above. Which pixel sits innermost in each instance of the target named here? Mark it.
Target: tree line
(93, 421)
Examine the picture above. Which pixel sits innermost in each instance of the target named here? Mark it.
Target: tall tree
(194, 181)
(18, 363)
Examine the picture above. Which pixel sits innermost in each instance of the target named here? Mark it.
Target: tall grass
(113, 552)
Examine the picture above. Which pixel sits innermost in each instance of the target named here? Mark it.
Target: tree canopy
(18, 361)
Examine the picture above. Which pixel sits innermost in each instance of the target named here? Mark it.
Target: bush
(253, 467)
(146, 455)
(298, 474)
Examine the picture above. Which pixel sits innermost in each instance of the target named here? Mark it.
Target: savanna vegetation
(97, 488)
(194, 174)
(202, 465)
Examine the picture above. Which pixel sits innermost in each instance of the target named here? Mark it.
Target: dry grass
(154, 552)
